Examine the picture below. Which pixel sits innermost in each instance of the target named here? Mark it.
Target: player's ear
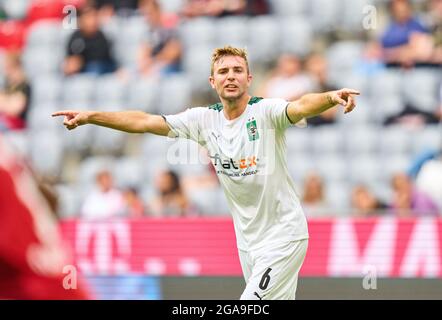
(212, 82)
(249, 79)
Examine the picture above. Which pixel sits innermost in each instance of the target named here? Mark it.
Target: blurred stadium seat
(46, 152)
(198, 32)
(127, 172)
(231, 30)
(338, 196)
(46, 88)
(44, 34)
(353, 14)
(327, 139)
(196, 63)
(332, 168)
(365, 169)
(289, 8)
(341, 59)
(78, 89)
(324, 14)
(42, 61)
(362, 140)
(104, 142)
(69, 201)
(421, 88)
(39, 117)
(263, 38)
(180, 99)
(299, 140)
(110, 90)
(427, 139)
(395, 140)
(142, 95)
(296, 35)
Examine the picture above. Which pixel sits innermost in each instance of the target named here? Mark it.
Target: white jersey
(249, 156)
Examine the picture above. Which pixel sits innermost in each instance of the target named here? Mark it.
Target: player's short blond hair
(218, 53)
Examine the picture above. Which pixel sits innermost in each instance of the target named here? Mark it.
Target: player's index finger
(352, 91)
(60, 113)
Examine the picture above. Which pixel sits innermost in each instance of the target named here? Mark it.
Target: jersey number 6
(264, 283)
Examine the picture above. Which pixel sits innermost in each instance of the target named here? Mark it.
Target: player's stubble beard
(231, 99)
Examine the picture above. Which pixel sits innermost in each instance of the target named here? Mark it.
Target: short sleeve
(186, 124)
(75, 43)
(276, 110)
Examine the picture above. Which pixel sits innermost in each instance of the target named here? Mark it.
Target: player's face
(230, 77)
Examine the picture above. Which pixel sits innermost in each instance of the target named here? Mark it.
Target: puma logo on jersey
(256, 294)
(215, 136)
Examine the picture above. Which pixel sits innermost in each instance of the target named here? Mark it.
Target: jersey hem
(297, 238)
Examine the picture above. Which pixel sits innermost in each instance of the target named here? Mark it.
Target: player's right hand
(72, 119)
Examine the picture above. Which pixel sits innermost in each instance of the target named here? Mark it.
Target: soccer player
(246, 142)
(33, 258)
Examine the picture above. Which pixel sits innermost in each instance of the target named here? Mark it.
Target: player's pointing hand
(72, 119)
(345, 97)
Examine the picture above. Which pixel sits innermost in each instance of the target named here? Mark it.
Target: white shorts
(271, 273)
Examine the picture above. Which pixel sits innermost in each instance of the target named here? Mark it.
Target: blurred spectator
(15, 96)
(371, 61)
(109, 8)
(104, 201)
(133, 204)
(404, 41)
(88, 48)
(32, 253)
(408, 201)
(287, 80)
(364, 203)
(420, 159)
(222, 8)
(256, 7)
(171, 200)
(313, 198)
(316, 66)
(412, 117)
(436, 29)
(439, 110)
(3, 15)
(198, 8)
(161, 54)
(429, 180)
(212, 8)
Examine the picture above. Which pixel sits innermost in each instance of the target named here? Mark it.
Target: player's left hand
(346, 98)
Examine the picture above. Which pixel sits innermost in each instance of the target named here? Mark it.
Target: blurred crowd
(409, 38)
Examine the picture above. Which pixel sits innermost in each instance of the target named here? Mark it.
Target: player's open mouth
(231, 87)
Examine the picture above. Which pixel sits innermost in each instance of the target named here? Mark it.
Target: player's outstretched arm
(128, 121)
(313, 104)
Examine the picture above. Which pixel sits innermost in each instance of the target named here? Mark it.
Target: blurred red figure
(32, 255)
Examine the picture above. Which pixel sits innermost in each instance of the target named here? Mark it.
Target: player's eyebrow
(227, 68)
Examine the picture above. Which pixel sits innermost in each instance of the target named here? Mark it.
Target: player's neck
(234, 108)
